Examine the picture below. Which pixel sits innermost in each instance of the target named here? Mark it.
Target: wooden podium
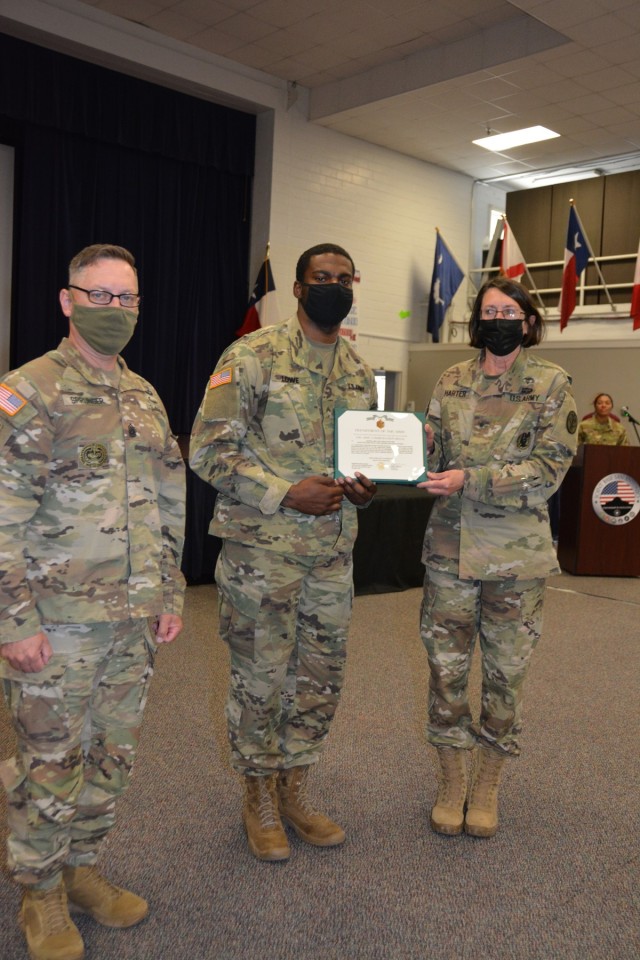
(587, 544)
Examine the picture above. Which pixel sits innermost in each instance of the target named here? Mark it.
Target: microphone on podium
(629, 416)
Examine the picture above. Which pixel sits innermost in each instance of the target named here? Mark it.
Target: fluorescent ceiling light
(498, 142)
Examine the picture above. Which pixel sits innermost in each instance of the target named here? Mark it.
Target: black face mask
(327, 304)
(501, 337)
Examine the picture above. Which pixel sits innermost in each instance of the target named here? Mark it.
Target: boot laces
(266, 809)
(488, 780)
(302, 798)
(54, 910)
(453, 779)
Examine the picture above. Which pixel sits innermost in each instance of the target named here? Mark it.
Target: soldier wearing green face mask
(91, 531)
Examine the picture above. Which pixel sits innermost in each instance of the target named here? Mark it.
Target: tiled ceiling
(426, 77)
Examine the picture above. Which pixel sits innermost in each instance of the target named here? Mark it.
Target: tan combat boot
(89, 892)
(298, 811)
(265, 833)
(447, 814)
(49, 931)
(481, 819)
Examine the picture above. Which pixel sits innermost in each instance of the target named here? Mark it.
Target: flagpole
(593, 257)
(265, 265)
(491, 252)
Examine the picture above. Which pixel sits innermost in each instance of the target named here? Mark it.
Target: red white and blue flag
(10, 401)
(221, 377)
(617, 489)
(263, 309)
(576, 257)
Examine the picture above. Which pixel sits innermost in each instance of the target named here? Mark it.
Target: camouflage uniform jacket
(265, 423)
(92, 510)
(610, 434)
(514, 436)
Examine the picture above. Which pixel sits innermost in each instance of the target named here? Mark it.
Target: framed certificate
(387, 446)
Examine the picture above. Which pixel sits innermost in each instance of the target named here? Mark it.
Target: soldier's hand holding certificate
(385, 445)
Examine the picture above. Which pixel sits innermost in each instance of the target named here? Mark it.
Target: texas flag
(635, 296)
(576, 257)
(512, 263)
(263, 308)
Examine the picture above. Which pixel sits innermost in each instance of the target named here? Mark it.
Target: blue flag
(447, 277)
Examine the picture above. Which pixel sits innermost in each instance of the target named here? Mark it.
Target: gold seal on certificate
(387, 446)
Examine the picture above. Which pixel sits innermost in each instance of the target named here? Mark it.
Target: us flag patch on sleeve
(10, 401)
(221, 377)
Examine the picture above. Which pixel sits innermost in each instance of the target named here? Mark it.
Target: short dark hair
(602, 394)
(303, 261)
(516, 291)
(100, 251)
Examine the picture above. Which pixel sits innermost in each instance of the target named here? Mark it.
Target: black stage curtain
(102, 157)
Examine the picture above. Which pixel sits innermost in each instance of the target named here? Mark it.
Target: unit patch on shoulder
(10, 401)
(572, 422)
(220, 377)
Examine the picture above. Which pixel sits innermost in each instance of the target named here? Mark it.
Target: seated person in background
(602, 427)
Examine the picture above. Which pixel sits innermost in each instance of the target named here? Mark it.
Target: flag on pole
(262, 309)
(446, 278)
(576, 257)
(635, 295)
(512, 263)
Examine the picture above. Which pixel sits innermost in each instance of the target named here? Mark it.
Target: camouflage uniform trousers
(506, 615)
(285, 619)
(77, 723)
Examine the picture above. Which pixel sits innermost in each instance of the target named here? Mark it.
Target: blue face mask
(327, 304)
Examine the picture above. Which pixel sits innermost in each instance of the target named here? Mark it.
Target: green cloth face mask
(107, 330)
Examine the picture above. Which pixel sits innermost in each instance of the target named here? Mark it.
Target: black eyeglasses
(103, 298)
(508, 313)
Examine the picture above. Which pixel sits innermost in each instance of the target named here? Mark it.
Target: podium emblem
(616, 499)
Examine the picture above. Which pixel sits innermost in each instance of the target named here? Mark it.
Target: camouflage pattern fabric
(77, 723)
(284, 577)
(507, 617)
(609, 434)
(285, 619)
(266, 422)
(514, 436)
(92, 511)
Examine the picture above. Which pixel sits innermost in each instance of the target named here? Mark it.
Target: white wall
(383, 207)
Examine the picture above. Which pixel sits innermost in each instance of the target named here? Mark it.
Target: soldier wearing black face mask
(501, 433)
(263, 437)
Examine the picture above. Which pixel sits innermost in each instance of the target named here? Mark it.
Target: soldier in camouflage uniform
(501, 434)
(601, 428)
(91, 533)
(263, 437)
